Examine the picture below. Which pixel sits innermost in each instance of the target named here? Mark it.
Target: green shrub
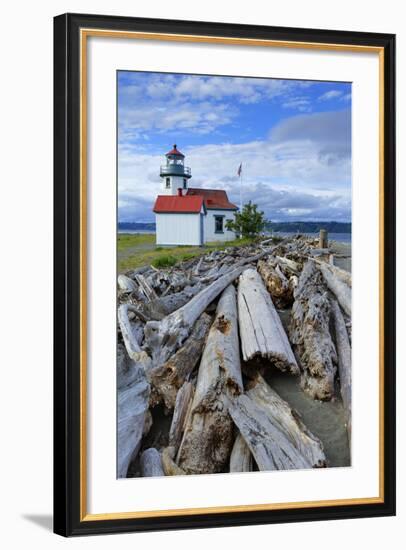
(164, 261)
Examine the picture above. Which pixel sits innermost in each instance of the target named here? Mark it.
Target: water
(137, 231)
(340, 237)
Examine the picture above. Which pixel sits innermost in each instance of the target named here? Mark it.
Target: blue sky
(292, 137)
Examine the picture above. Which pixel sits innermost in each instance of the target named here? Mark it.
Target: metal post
(241, 201)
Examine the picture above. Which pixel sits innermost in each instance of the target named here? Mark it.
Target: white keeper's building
(189, 215)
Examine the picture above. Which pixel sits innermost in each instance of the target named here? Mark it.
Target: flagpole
(240, 196)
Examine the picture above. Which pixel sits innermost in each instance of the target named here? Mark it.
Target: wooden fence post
(323, 239)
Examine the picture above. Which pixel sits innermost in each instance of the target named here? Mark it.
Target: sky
(292, 137)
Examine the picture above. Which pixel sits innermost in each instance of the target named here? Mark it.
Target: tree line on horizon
(288, 227)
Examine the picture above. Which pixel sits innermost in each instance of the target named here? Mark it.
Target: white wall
(173, 229)
(176, 183)
(26, 218)
(209, 226)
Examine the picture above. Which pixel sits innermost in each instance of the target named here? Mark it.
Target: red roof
(175, 203)
(175, 151)
(213, 198)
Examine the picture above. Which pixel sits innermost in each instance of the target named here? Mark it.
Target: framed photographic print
(224, 274)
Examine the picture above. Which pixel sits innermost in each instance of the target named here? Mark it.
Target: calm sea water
(136, 231)
(340, 237)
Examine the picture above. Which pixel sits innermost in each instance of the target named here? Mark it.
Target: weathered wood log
(168, 463)
(168, 378)
(291, 266)
(276, 283)
(132, 410)
(138, 271)
(344, 362)
(261, 330)
(289, 421)
(183, 402)
(310, 334)
(241, 457)
(323, 239)
(145, 287)
(166, 336)
(160, 307)
(130, 336)
(174, 301)
(198, 266)
(151, 463)
(208, 437)
(269, 445)
(341, 274)
(126, 284)
(341, 290)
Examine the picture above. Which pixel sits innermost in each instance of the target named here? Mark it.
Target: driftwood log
(126, 284)
(160, 307)
(145, 287)
(269, 446)
(310, 334)
(241, 457)
(168, 462)
(168, 378)
(261, 330)
(276, 283)
(344, 363)
(289, 266)
(131, 335)
(340, 289)
(341, 274)
(151, 463)
(289, 422)
(166, 336)
(208, 437)
(182, 405)
(132, 410)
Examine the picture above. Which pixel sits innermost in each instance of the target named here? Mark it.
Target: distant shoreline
(340, 237)
(307, 228)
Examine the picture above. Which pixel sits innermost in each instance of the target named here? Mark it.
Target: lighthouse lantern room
(174, 173)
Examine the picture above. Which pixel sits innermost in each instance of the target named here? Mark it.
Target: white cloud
(201, 88)
(346, 97)
(304, 168)
(302, 104)
(199, 104)
(332, 94)
(201, 118)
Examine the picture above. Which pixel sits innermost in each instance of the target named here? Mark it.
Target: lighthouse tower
(174, 173)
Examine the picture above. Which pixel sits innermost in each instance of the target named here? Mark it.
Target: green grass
(137, 250)
(126, 240)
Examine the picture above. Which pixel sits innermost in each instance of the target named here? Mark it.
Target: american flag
(239, 170)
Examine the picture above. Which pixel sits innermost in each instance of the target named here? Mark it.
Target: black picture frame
(67, 350)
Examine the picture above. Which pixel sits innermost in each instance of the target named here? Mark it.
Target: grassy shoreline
(139, 249)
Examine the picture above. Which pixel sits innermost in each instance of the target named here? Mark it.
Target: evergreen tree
(249, 222)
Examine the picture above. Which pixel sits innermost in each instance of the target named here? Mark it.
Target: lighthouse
(189, 215)
(174, 173)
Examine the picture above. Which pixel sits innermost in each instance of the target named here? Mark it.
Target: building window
(184, 183)
(168, 182)
(219, 224)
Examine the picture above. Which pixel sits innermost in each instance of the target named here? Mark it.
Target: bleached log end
(261, 330)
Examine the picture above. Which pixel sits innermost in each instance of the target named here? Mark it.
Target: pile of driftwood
(195, 342)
